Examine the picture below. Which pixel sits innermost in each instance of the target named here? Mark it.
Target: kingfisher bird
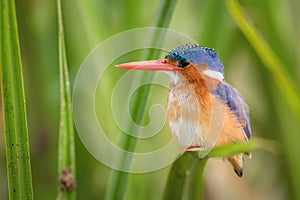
(203, 109)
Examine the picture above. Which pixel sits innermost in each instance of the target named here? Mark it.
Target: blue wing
(236, 103)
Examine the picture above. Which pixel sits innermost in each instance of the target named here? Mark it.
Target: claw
(190, 148)
(239, 173)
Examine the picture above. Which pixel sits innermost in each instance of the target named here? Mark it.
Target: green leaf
(66, 144)
(255, 143)
(15, 121)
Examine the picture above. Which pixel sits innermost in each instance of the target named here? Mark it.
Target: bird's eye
(183, 63)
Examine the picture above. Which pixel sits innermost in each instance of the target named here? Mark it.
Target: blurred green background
(87, 23)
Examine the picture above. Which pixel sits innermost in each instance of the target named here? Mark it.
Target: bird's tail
(237, 162)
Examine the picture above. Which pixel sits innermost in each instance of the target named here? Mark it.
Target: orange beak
(149, 65)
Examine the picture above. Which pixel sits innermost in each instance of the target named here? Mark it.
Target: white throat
(175, 77)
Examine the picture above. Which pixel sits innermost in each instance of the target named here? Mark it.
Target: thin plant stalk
(13, 97)
(66, 143)
(118, 180)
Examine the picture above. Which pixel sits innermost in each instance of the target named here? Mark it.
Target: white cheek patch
(213, 74)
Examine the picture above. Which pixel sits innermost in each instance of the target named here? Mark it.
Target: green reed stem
(118, 180)
(66, 143)
(14, 110)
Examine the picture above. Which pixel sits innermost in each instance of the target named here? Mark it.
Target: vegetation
(257, 42)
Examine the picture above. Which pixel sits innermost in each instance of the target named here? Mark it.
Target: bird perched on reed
(203, 109)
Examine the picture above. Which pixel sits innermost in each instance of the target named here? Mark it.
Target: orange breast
(198, 118)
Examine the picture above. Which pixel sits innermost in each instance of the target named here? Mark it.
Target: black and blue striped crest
(197, 53)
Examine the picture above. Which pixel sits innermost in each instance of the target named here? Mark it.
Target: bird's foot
(191, 148)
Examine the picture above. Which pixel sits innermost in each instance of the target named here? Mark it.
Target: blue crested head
(199, 54)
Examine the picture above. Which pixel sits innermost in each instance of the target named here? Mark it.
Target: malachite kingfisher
(200, 101)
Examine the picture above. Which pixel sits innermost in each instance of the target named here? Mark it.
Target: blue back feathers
(199, 54)
(236, 103)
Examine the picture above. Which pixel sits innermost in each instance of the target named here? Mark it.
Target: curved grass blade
(283, 80)
(15, 121)
(66, 143)
(118, 180)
